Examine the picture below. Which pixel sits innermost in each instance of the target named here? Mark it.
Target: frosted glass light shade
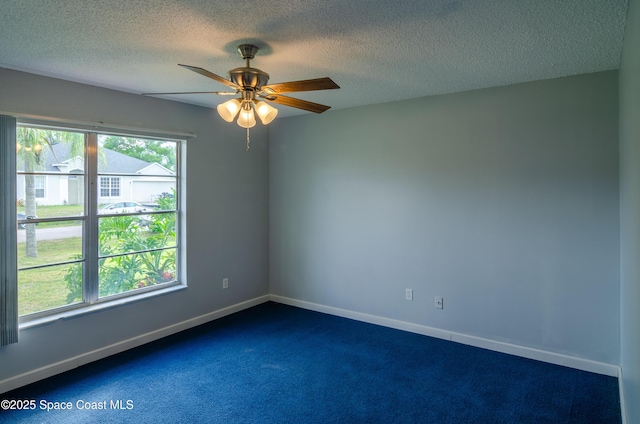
(246, 119)
(266, 112)
(229, 109)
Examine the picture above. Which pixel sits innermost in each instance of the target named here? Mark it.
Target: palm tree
(30, 145)
(31, 152)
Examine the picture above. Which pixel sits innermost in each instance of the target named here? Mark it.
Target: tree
(31, 143)
(31, 146)
(147, 150)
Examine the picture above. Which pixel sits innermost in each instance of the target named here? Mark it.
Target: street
(52, 233)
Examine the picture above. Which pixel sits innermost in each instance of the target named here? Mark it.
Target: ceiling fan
(251, 84)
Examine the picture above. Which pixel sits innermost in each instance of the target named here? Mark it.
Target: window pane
(50, 287)
(49, 243)
(134, 233)
(105, 187)
(51, 211)
(136, 244)
(115, 187)
(135, 174)
(49, 185)
(130, 155)
(166, 201)
(40, 183)
(121, 274)
(51, 168)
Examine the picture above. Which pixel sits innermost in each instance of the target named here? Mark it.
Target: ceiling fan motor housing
(249, 78)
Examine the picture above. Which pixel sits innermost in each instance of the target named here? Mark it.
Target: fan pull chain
(248, 140)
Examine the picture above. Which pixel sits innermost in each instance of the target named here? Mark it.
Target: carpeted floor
(279, 364)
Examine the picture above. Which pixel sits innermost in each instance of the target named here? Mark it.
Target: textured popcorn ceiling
(376, 50)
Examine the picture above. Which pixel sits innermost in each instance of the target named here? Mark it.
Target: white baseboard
(526, 352)
(85, 358)
(513, 349)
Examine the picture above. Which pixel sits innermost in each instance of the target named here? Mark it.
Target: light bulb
(266, 112)
(246, 119)
(229, 109)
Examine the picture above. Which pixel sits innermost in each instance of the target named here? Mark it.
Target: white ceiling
(376, 50)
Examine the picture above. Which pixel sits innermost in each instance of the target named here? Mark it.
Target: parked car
(123, 207)
(128, 207)
(23, 216)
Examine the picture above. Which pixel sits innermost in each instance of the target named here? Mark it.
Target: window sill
(101, 306)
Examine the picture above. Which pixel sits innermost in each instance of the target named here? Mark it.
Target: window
(109, 187)
(76, 246)
(39, 183)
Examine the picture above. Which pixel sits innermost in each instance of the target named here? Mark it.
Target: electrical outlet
(408, 294)
(439, 303)
(225, 283)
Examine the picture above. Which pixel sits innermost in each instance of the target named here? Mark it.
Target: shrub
(131, 261)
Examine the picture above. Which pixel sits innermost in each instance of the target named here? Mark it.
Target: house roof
(376, 50)
(109, 162)
(121, 163)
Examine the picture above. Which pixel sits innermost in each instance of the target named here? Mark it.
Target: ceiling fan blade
(211, 75)
(302, 85)
(297, 103)
(219, 93)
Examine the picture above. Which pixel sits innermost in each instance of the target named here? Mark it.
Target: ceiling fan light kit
(266, 112)
(251, 83)
(229, 109)
(246, 118)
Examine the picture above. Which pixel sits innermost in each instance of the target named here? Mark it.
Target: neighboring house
(124, 178)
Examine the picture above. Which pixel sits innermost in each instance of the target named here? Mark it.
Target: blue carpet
(279, 364)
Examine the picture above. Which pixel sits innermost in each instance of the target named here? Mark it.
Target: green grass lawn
(44, 288)
(41, 289)
(50, 251)
(55, 212)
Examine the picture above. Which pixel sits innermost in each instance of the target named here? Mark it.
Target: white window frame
(110, 186)
(40, 184)
(91, 300)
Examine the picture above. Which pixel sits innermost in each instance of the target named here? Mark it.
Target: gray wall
(504, 201)
(630, 211)
(227, 216)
